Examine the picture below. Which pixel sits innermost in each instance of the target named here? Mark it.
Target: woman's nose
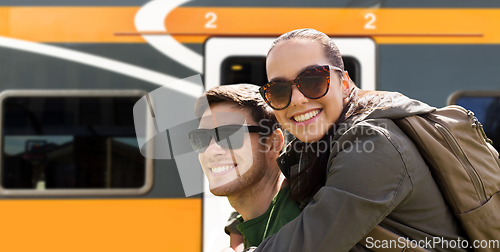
(297, 97)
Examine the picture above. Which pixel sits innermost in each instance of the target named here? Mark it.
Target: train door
(242, 60)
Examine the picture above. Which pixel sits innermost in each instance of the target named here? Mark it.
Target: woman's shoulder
(371, 129)
(367, 129)
(367, 160)
(376, 144)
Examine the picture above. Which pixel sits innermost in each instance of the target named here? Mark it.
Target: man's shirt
(281, 210)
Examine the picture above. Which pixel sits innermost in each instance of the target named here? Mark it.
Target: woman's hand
(236, 243)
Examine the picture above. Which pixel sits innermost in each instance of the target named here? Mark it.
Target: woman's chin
(309, 138)
(310, 134)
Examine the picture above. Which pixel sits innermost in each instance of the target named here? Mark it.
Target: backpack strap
(379, 233)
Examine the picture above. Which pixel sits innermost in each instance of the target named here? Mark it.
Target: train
(72, 174)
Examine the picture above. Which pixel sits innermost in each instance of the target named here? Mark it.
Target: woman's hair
(308, 181)
(331, 50)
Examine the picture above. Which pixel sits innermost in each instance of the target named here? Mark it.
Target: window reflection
(70, 142)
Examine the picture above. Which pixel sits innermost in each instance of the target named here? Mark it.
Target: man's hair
(243, 96)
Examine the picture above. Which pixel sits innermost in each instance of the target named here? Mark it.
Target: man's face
(229, 171)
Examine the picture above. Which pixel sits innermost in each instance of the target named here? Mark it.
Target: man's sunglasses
(313, 83)
(229, 137)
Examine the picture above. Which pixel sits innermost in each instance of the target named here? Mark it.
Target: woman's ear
(345, 80)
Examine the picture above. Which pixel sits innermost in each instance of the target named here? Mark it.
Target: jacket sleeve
(367, 179)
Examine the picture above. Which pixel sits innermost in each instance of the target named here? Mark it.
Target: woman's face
(285, 62)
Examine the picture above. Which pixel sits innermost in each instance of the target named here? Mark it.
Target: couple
(350, 168)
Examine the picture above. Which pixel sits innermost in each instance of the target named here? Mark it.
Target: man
(238, 141)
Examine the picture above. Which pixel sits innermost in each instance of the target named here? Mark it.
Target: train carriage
(72, 176)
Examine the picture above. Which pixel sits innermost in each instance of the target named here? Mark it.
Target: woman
(357, 169)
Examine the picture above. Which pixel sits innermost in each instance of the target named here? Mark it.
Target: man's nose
(297, 96)
(214, 149)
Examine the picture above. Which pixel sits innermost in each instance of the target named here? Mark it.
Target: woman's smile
(303, 117)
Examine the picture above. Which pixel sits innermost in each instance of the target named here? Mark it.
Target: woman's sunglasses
(313, 83)
(229, 137)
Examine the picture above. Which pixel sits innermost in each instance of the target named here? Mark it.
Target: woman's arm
(235, 236)
(236, 242)
(367, 179)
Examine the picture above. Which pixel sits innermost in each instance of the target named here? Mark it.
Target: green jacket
(375, 175)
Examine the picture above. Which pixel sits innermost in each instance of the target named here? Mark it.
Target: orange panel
(101, 225)
(450, 26)
(69, 24)
(102, 24)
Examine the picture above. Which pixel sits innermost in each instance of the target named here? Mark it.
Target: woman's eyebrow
(301, 71)
(278, 79)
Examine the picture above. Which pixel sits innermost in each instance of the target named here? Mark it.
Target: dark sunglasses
(313, 83)
(232, 134)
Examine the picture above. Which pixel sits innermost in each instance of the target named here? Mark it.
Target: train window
(86, 141)
(252, 69)
(486, 108)
(352, 66)
(242, 60)
(244, 70)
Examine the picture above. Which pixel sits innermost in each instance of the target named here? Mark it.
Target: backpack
(464, 165)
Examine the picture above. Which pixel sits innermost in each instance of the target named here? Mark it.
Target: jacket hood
(394, 105)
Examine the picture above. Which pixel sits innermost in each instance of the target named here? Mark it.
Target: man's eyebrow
(301, 71)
